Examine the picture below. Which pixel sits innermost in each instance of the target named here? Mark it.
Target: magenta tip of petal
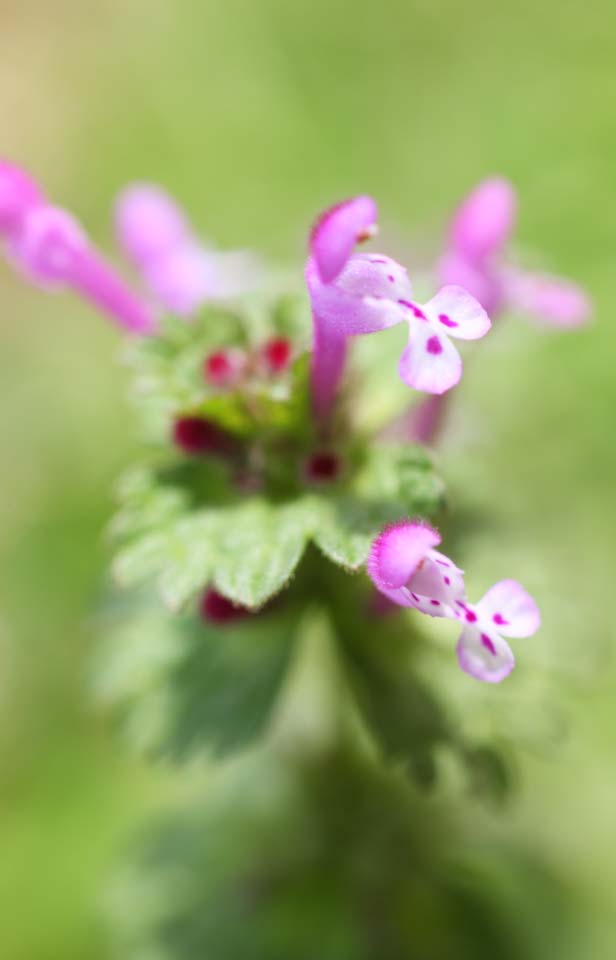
(18, 194)
(484, 220)
(149, 223)
(338, 230)
(398, 550)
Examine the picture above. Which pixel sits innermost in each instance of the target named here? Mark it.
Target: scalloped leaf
(249, 548)
(259, 549)
(248, 552)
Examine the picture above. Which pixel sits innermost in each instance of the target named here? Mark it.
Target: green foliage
(182, 685)
(250, 547)
(333, 858)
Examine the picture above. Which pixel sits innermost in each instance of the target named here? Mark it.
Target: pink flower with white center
(365, 293)
(179, 269)
(506, 610)
(475, 259)
(50, 247)
(405, 567)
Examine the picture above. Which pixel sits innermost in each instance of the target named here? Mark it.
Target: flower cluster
(248, 404)
(405, 567)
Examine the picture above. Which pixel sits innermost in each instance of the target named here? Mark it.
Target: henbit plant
(259, 498)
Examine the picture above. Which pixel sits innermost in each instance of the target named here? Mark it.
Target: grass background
(256, 113)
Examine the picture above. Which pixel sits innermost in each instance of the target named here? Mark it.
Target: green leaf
(259, 546)
(394, 482)
(247, 551)
(182, 685)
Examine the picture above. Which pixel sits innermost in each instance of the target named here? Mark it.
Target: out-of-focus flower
(179, 269)
(506, 610)
(50, 247)
(475, 258)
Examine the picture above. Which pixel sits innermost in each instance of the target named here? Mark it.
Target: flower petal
(455, 310)
(437, 588)
(484, 655)
(482, 281)
(181, 280)
(18, 194)
(484, 220)
(430, 362)
(365, 298)
(397, 552)
(511, 609)
(337, 231)
(149, 223)
(551, 300)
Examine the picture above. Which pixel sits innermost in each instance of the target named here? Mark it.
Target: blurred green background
(256, 113)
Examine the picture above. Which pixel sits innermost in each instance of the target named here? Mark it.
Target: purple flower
(506, 610)
(182, 273)
(475, 259)
(405, 567)
(50, 247)
(365, 293)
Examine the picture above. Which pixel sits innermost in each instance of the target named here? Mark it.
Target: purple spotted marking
(391, 278)
(434, 346)
(500, 620)
(443, 563)
(447, 321)
(487, 643)
(415, 597)
(471, 617)
(435, 603)
(414, 309)
(378, 260)
(447, 580)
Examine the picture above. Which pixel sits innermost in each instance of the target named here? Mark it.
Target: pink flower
(332, 240)
(175, 264)
(50, 247)
(506, 610)
(475, 259)
(405, 567)
(365, 293)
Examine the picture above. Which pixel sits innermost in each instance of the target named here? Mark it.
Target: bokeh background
(256, 113)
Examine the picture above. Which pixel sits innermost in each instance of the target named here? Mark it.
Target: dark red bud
(214, 608)
(196, 436)
(224, 367)
(277, 354)
(322, 467)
